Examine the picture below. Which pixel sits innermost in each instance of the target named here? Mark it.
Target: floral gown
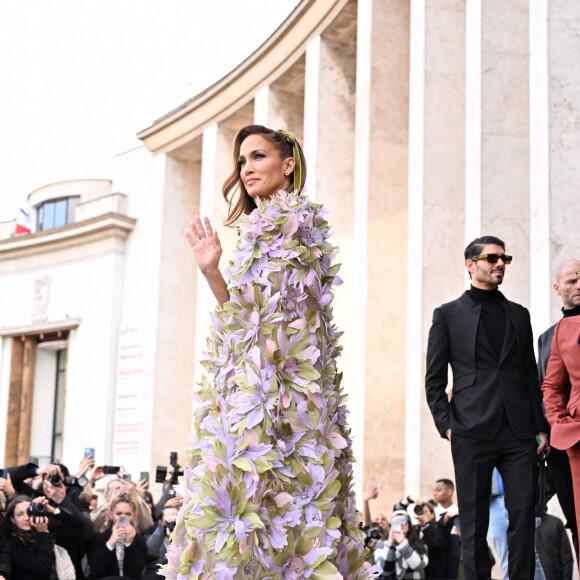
(268, 483)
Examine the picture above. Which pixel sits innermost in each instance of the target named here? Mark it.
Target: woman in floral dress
(268, 483)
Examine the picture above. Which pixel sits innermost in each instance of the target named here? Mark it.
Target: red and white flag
(23, 223)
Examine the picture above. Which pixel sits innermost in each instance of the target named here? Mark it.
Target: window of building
(56, 213)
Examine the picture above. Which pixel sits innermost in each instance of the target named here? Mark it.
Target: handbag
(540, 504)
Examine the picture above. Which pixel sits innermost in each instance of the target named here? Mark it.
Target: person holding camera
(373, 535)
(30, 543)
(403, 555)
(101, 516)
(381, 519)
(65, 518)
(119, 551)
(158, 541)
(443, 547)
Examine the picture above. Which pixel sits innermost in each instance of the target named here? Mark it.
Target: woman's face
(426, 517)
(20, 518)
(261, 167)
(121, 509)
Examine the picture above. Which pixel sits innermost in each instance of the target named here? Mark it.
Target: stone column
(436, 214)
(554, 144)
(380, 232)
(329, 137)
(215, 166)
(497, 132)
(261, 109)
(176, 328)
(286, 101)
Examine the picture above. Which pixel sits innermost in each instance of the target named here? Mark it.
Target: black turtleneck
(492, 318)
(571, 311)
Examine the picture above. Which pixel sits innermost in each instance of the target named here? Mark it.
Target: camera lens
(55, 479)
(36, 509)
(170, 526)
(419, 509)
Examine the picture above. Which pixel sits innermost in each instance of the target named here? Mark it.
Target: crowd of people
(422, 539)
(91, 525)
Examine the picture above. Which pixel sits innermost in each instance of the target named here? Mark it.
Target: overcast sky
(79, 78)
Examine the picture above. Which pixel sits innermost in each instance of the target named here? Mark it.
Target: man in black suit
(495, 411)
(566, 286)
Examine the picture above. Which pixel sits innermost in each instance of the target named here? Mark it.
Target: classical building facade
(424, 123)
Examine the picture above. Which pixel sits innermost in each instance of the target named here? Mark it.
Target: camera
(71, 481)
(56, 479)
(111, 469)
(161, 471)
(419, 509)
(170, 526)
(36, 509)
(372, 535)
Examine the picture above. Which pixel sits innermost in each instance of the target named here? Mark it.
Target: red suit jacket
(563, 413)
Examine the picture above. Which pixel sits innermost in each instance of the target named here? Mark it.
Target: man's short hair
(447, 482)
(475, 247)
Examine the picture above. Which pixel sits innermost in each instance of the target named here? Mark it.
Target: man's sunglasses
(493, 258)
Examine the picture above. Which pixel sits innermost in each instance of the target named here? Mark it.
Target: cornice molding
(280, 51)
(109, 224)
(41, 328)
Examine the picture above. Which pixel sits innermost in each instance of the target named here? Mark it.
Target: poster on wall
(129, 398)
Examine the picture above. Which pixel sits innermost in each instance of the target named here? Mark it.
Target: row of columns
(451, 119)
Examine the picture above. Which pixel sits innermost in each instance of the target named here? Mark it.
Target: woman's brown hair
(244, 203)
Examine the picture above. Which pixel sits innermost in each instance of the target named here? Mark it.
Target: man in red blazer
(566, 287)
(561, 401)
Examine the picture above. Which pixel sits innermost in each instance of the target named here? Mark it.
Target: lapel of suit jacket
(510, 326)
(467, 325)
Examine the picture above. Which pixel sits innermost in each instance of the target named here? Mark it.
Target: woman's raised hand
(207, 249)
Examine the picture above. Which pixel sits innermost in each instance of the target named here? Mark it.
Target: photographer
(441, 545)
(169, 479)
(403, 555)
(372, 493)
(14, 479)
(437, 534)
(101, 515)
(65, 519)
(119, 551)
(158, 541)
(373, 535)
(30, 543)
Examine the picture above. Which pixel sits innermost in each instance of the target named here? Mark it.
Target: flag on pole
(23, 223)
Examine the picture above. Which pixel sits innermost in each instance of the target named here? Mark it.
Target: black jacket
(72, 529)
(553, 547)
(32, 561)
(483, 385)
(103, 562)
(5, 564)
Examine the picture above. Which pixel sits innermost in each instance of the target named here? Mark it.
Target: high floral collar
(280, 196)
